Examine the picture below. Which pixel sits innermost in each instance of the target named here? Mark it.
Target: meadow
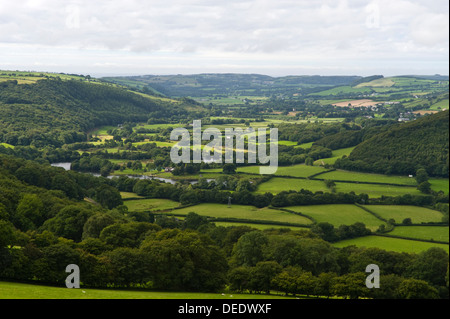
(141, 205)
(243, 212)
(340, 175)
(390, 244)
(399, 213)
(12, 290)
(278, 184)
(300, 170)
(433, 233)
(339, 214)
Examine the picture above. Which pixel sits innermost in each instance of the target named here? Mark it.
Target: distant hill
(405, 147)
(55, 111)
(200, 85)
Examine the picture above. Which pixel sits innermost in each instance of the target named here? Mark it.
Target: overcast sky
(273, 37)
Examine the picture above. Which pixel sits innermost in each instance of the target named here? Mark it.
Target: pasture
(390, 244)
(243, 212)
(339, 214)
(399, 213)
(10, 290)
(340, 175)
(278, 184)
(437, 233)
(141, 205)
(300, 170)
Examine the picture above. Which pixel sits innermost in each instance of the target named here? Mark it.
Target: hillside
(55, 111)
(405, 147)
(201, 85)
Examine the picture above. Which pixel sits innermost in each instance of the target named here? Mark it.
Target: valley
(362, 169)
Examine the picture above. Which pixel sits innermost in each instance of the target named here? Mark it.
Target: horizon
(99, 76)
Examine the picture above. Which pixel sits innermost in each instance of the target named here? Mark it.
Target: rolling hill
(54, 111)
(405, 147)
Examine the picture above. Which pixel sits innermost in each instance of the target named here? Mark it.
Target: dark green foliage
(404, 148)
(51, 112)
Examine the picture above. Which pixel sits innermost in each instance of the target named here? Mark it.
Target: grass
(390, 244)
(399, 213)
(340, 175)
(259, 226)
(439, 184)
(336, 154)
(243, 212)
(278, 184)
(7, 145)
(140, 205)
(300, 170)
(126, 195)
(438, 233)
(339, 214)
(9, 290)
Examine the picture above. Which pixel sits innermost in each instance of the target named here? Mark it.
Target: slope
(55, 112)
(405, 147)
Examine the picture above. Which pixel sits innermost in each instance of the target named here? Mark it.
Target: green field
(336, 154)
(375, 190)
(278, 184)
(9, 290)
(390, 244)
(399, 213)
(140, 205)
(6, 145)
(259, 226)
(438, 233)
(439, 184)
(300, 170)
(339, 214)
(340, 175)
(243, 212)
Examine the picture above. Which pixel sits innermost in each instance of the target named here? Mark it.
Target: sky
(271, 37)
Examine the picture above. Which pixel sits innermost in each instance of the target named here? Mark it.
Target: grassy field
(300, 170)
(390, 244)
(6, 145)
(243, 212)
(140, 205)
(439, 184)
(399, 213)
(336, 154)
(438, 233)
(278, 184)
(10, 290)
(340, 175)
(338, 215)
(259, 226)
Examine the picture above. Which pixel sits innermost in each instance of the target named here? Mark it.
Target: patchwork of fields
(412, 238)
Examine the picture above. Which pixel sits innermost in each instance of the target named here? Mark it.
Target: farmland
(132, 217)
(391, 244)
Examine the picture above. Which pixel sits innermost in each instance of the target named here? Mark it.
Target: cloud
(299, 30)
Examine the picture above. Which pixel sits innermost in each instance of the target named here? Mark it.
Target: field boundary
(409, 238)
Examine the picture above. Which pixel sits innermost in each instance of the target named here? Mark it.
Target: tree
(350, 285)
(229, 168)
(249, 249)
(424, 187)
(421, 176)
(263, 274)
(108, 196)
(29, 212)
(416, 289)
